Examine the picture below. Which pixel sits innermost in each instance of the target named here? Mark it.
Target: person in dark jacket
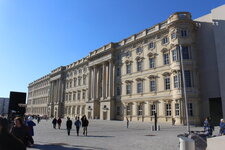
(8, 141)
(68, 125)
(20, 131)
(30, 124)
(59, 121)
(85, 125)
(54, 122)
(208, 128)
(77, 124)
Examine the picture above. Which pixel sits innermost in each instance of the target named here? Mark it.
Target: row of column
(101, 81)
(73, 110)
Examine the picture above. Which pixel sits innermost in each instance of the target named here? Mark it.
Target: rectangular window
(78, 95)
(152, 86)
(185, 52)
(75, 83)
(69, 97)
(152, 62)
(84, 80)
(167, 83)
(173, 35)
(139, 87)
(128, 68)
(190, 109)
(118, 91)
(177, 109)
(175, 55)
(153, 109)
(138, 50)
(74, 95)
(166, 58)
(139, 65)
(66, 97)
(187, 75)
(128, 86)
(165, 40)
(176, 81)
(79, 81)
(151, 45)
(118, 71)
(184, 33)
(84, 94)
(140, 110)
(168, 109)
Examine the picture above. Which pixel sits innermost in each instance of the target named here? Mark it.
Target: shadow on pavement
(62, 146)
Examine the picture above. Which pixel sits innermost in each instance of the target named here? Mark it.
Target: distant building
(4, 105)
(141, 75)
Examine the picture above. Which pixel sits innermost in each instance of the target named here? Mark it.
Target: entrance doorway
(215, 109)
(105, 115)
(89, 115)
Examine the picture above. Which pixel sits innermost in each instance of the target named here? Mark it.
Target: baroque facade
(135, 78)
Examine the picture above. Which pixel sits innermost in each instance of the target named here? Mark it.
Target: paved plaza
(108, 135)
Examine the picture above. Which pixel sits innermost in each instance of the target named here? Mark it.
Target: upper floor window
(173, 35)
(151, 45)
(128, 89)
(80, 70)
(138, 50)
(128, 53)
(75, 82)
(184, 33)
(190, 109)
(128, 67)
(78, 95)
(168, 109)
(176, 81)
(167, 82)
(139, 65)
(84, 94)
(175, 55)
(84, 80)
(165, 40)
(166, 58)
(186, 52)
(74, 96)
(79, 81)
(140, 87)
(152, 62)
(152, 85)
(187, 74)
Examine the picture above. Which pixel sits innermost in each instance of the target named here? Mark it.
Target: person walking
(85, 125)
(208, 128)
(38, 119)
(8, 141)
(54, 122)
(30, 124)
(68, 125)
(222, 127)
(59, 121)
(77, 124)
(21, 131)
(127, 122)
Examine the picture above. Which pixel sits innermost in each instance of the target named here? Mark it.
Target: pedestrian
(21, 131)
(85, 125)
(127, 122)
(173, 121)
(30, 124)
(222, 127)
(8, 141)
(208, 128)
(77, 124)
(38, 119)
(54, 122)
(59, 121)
(68, 125)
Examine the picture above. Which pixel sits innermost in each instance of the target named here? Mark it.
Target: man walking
(54, 121)
(127, 122)
(68, 125)
(59, 121)
(77, 124)
(85, 125)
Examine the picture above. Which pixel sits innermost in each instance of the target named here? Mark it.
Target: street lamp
(184, 88)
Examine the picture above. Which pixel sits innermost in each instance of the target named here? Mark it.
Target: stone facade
(135, 78)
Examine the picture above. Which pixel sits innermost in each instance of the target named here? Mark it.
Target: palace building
(135, 78)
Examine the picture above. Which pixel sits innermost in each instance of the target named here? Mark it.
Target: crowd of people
(209, 128)
(77, 123)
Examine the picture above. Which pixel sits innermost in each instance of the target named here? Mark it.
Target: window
(78, 95)
(118, 110)
(138, 50)
(84, 94)
(75, 83)
(190, 109)
(152, 62)
(79, 81)
(128, 68)
(173, 35)
(84, 80)
(118, 71)
(69, 97)
(165, 40)
(153, 109)
(67, 85)
(128, 53)
(176, 81)
(175, 55)
(70, 84)
(177, 109)
(185, 52)
(139, 65)
(129, 109)
(118, 91)
(151, 45)
(140, 110)
(74, 96)
(168, 109)
(167, 83)
(184, 33)
(139, 87)
(128, 87)
(80, 70)
(166, 58)
(75, 72)
(152, 86)
(187, 75)
(66, 97)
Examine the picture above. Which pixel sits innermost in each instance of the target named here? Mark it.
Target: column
(97, 82)
(134, 109)
(94, 82)
(110, 79)
(103, 81)
(89, 84)
(106, 82)
(147, 108)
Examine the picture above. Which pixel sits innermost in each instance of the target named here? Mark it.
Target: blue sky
(36, 36)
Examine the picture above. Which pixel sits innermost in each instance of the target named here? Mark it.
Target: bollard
(158, 128)
(186, 143)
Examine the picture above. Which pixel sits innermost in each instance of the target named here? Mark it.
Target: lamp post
(184, 88)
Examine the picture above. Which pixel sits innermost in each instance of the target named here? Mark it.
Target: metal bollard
(186, 143)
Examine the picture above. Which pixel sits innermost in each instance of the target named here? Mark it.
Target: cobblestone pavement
(108, 135)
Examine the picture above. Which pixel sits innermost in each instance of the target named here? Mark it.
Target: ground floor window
(153, 109)
(168, 109)
(177, 109)
(128, 109)
(140, 110)
(190, 109)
